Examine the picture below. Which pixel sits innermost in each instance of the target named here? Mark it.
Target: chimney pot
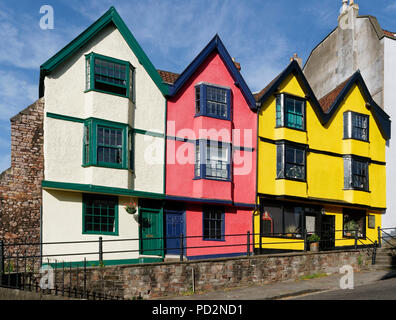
(237, 64)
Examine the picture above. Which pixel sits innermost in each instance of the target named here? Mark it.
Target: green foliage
(313, 238)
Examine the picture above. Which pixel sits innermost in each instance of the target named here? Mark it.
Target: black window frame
(281, 112)
(351, 126)
(352, 214)
(352, 164)
(213, 216)
(281, 163)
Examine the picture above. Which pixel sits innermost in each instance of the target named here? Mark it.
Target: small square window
(290, 162)
(213, 223)
(100, 215)
(212, 160)
(356, 126)
(290, 112)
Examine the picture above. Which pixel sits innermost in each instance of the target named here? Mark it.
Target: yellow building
(321, 164)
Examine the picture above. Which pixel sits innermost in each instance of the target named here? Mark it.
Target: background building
(360, 43)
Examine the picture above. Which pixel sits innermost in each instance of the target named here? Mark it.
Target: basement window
(109, 75)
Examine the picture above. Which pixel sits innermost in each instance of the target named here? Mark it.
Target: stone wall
(20, 185)
(150, 281)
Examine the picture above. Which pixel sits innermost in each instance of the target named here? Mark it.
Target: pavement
(291, 288)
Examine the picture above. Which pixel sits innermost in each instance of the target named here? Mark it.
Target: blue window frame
(290, 112)
(213, 160)
(213, 101)
(213, 221)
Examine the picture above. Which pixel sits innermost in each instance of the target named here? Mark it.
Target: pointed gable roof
(214, 44)
(272, 88)
(110, 17)
(332, 100)
(328, 105)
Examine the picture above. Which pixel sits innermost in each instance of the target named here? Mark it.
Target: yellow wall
(320, 167)
(324, 172)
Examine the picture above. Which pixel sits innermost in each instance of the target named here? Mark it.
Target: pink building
(211, 157)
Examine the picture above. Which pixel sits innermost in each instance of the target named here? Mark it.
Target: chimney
(237, 64)
(297, 58)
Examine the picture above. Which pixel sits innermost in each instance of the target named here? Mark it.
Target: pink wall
(181, 115)
(237, 222)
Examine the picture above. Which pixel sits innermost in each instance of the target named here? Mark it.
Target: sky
(262, 35)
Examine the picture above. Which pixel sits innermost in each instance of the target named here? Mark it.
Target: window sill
(291, 179)
(109, 166)
(213, 117)
(112, 93)
(356, 189)
(101, 233)
(212, 179)
(361, 140)
(219, 240)
(285, 127)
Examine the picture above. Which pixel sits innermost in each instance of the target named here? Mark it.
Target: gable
(110, 17)
(215, 45)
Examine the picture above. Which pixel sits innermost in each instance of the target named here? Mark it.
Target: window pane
(99, 214)
(213, 221)
(217, 162)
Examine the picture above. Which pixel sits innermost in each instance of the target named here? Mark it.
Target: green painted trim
(63, 117)
(115, 233)
(165, 145)
(80, 120)
(111, 16)
(99, 189)
(149, 133)
(93, 124)
(129, 67)
(96, 263)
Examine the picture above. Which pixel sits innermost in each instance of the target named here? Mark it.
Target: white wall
(62, 221)
(64, 94)
(389, 220)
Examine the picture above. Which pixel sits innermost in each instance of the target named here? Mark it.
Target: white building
(359, 43)
(104, 146)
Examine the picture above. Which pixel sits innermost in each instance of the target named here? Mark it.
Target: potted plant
(350, 228)
(313, 240)
(291, 230)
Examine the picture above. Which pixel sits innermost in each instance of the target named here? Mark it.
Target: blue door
(174, 227)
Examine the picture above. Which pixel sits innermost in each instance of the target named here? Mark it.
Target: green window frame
(107, 144)
(100, 214)
(109, 75)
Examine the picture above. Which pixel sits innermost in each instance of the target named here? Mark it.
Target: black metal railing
(22, 264)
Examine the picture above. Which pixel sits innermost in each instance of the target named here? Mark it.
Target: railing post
(305, 240)
(181, 247)
(356, 239)
(374, 257)
(379, 238)
(100, 250)
(1, 261)
(248, 243)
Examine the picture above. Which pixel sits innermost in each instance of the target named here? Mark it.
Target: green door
(151, 228)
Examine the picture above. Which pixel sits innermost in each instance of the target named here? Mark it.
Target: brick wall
(176, 278)
(20, 185)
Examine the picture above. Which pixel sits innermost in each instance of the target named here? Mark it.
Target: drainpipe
(256, 191)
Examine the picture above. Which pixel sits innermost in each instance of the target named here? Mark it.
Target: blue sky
(262, 35)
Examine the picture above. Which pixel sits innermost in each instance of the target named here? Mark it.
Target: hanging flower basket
(131, 208)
